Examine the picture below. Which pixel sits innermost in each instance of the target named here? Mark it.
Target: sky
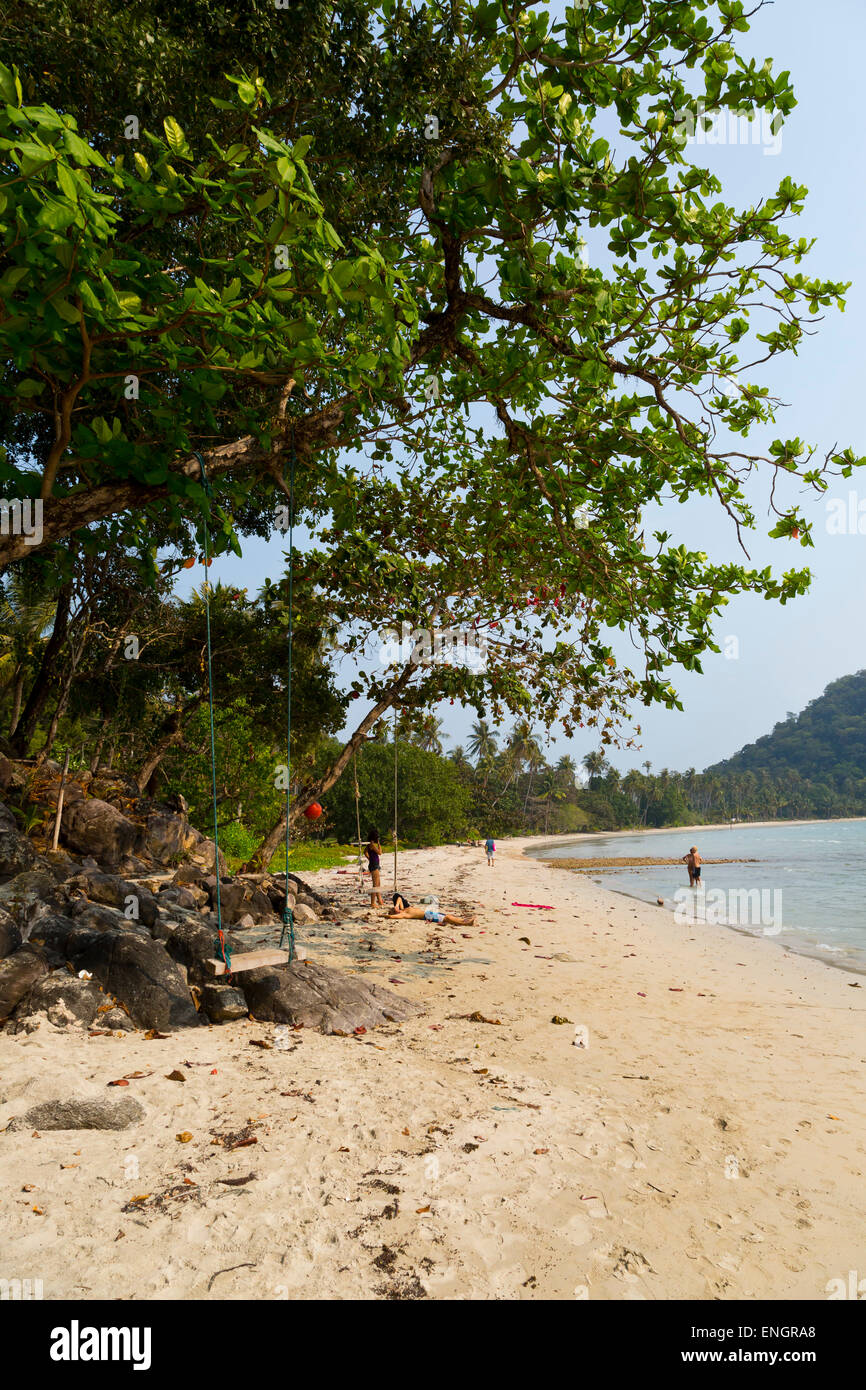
(779, 658)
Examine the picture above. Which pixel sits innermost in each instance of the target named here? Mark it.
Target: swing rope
(220, 943)
(395, 798)
(288, 915)
(358, 821)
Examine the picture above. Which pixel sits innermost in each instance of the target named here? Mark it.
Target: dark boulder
(317, 996)
(30, 895)
(6, 772)
(10, 935)
(136, 902)
(223, 1003)
(92, 826)
(175, 896)
(17, 855)
(190, 873)
(18, 974)
(64, 998)
(62, 937)
(140, 973)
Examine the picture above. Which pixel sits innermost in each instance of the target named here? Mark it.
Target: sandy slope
(452, 1158)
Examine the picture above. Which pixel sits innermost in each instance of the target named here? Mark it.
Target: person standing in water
(373, 851)
(693, 860)
(490, 849)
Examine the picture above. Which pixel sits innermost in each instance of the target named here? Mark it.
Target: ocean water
(807, 890)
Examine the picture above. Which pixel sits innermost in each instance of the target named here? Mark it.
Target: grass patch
(307, 858)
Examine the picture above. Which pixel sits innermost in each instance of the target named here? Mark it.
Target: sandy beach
(694, 1126)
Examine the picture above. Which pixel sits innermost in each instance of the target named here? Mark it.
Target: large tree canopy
(372, 234)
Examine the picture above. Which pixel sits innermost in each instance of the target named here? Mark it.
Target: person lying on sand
(430, 914)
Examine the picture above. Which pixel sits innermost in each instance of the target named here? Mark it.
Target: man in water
(490, 849)
(693, 860)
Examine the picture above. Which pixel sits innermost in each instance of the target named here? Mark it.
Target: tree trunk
(20, 740)
(313, 790)
(17, 697)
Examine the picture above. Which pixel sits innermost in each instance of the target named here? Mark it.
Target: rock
(95, 827)
(304, 916)
(140, 973)
(81, 1114)
(132, 867)
(202, 855)
(175, 896)
(190, 874)
(167, 836)
(80, 999)
(27, 893)
(114, 891)
(223, 1004)
(116, 787)
(189, 943)
(10, 936)
(6, 772)
(316, 996)
(18, 974)
(62, 936)
(117, 1020)
(245, 922)
(7, 820)
(17, 855)
(98, 917)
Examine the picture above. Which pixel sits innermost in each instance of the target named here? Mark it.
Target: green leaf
(176, 139)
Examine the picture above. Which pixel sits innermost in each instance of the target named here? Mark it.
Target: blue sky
(786, 656)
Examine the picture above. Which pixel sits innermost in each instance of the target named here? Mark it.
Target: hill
(826, 742)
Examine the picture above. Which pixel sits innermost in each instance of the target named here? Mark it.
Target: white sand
(460, 1159)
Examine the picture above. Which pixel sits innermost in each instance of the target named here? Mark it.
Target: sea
(805, 890)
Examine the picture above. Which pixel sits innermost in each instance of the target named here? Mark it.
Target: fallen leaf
(404, 1131)
(143, 1198)
(29, 1187)
(122, 1082)
(541, 1151)
(121, 1235)
(558, 1018)
(38, 1211)
(526, 939)
(189, 1182)
(359, 1030)
(482, 1071)
(69, 1165)
(154, 1033)
(419, 1211)
(260, 1042)
(184, 1137)
(343, 1150)
(479, 1018)
(175, 1076)
(834, 1117)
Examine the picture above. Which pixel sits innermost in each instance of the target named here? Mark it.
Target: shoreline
(797, 944)
(696, 1128)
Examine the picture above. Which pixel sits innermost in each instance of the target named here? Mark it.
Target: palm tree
(481, 746)
(596, 766)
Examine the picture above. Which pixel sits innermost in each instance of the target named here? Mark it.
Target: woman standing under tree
(373, 851)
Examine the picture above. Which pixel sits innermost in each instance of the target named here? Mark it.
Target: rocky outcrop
(10, 934)
(136, 902)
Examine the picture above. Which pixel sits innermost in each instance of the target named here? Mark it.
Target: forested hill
(826, 742)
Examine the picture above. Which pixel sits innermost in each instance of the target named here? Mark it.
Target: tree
(561, 389)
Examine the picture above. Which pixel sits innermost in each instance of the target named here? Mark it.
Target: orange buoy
(313, 812)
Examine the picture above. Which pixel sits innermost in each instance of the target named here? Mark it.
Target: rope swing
(288, 915)
(395, 798)
(220, 943)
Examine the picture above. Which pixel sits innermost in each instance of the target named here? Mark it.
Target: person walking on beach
(373, 851)
(693, 860)
(490, 847)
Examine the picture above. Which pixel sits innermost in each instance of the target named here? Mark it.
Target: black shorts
(696, 871)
